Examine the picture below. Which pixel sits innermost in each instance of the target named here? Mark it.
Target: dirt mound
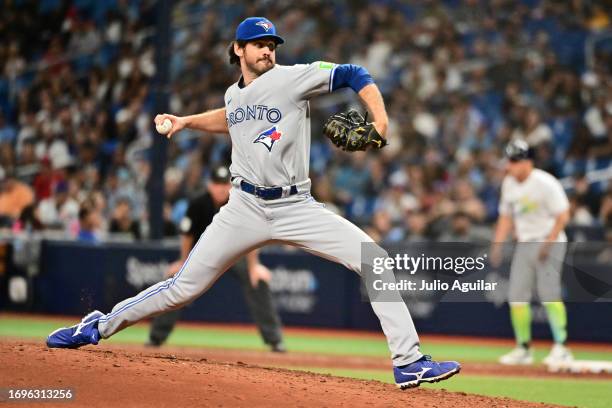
(105, 376)
(302, 360)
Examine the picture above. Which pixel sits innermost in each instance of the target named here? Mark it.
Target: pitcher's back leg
(320, 231)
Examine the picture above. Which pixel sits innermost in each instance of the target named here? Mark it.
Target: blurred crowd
(460, 78)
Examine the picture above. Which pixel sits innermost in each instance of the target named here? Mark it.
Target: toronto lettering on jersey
(254, 112)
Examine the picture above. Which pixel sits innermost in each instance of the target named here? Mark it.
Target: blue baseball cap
(257, 27)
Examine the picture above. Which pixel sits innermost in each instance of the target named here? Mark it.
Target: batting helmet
(518, 150)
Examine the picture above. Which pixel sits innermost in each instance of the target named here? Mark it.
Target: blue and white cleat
(78, 335)
(424, 370)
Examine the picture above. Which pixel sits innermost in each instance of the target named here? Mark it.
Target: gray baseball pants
(528, 272)
(245, 223)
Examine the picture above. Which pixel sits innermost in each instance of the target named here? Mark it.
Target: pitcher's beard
(257, 68)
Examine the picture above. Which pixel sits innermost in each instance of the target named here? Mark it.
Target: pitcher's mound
(103, 376)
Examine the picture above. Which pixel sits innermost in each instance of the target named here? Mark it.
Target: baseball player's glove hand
(351, 132)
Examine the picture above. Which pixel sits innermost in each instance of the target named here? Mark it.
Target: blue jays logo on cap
(253, 28)
(266, 25)
(269, 137)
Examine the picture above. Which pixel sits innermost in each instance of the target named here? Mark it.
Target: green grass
(227, 338)
(490, 354)
(573, 392)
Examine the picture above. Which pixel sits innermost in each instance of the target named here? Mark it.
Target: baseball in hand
(164, 127)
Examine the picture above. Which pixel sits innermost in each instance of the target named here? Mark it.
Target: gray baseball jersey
(533, 204)
(269, 123)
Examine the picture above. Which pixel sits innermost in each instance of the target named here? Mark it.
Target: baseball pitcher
(267, 116)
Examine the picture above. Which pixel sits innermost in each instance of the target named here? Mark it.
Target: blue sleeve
(351, 75)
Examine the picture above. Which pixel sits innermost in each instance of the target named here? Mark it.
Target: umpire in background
(253, 276)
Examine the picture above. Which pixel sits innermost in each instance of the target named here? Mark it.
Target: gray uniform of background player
(278, 98)
(534, 205)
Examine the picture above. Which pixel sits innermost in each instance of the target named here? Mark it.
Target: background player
(535, 202)
(252, 275)
(267, 115)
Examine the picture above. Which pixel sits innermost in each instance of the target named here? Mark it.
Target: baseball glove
(352, 132)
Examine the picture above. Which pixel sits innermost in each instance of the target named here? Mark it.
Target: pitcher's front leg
(226, 239)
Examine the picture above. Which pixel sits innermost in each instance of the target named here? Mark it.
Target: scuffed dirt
(124, 376)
